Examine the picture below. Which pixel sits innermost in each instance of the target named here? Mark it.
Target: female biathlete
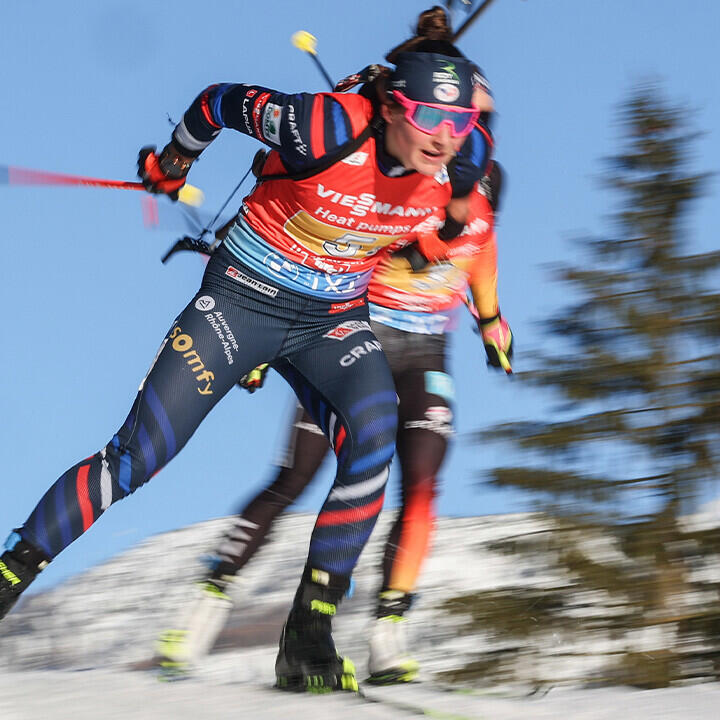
(410, 314)
(289, 278)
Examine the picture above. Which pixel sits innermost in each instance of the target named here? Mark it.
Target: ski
(387, 695)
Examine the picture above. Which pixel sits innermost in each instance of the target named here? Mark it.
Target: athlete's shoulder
(349, 111)
(354, 105)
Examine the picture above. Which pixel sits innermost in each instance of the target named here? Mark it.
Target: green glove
(255, 378)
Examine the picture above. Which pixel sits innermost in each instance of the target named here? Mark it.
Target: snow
(123, 695)
(71, 653)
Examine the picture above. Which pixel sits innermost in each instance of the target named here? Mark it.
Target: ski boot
(389, 662)
(19, 566)
(307, 659)
(180, 649)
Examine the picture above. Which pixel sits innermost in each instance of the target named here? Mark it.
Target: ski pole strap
(188, 243)
(368, 74)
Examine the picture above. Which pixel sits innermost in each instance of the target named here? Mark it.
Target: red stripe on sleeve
(488, 136)
(84, 497)
(339, 440)
(351, 515)
(205, 107)
(317, 126)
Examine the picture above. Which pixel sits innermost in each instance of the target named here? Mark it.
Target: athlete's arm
(472, 161)
(302, 127)
(480, 240)
(476, 249)
(483, 279)
(494, 329)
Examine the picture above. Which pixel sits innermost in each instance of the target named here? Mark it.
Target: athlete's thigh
(346, 370)
(425, 402)
(209, 347)
(345, 384)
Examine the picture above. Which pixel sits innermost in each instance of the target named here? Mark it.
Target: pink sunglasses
(429, 118)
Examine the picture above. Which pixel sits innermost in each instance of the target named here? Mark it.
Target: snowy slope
(123, 695)
(71, 652)
(111, 614)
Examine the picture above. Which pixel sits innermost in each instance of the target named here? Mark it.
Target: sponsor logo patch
(359, 351)
(343, 306)
(182, 343)
(446, 74)
(479, 80)
(440, 413)
(360, 205)
(224, 333)
(357, 158)
(445, 92)
(439, 428)
(347, 328)
(261, 287)
(300, 146)
(258, 106)
(205, 303)
(271, 123)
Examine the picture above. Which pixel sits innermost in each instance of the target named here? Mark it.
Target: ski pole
(307, 42)
(471, 19)
(197, 244)
(10, 175)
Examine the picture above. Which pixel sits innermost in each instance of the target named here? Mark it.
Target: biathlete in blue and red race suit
(288, 285)
(411, 313)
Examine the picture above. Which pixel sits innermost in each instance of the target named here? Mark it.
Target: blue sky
(86, 301)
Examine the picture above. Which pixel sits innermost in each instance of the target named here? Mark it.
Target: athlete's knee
(371, 432)
(123, 466)
(281, 493)
(289, 483)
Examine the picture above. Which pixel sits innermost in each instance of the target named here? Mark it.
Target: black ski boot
(19, 565)
(307, 659)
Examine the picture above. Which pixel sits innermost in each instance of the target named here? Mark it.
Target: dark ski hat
(436, 79)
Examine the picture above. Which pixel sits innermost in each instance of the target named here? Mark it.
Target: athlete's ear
(387, 114)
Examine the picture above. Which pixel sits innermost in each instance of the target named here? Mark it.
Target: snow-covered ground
(112, 614)
(123, 695)
(73, 652)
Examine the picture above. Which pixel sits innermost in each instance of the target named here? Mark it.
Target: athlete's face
(415, 149)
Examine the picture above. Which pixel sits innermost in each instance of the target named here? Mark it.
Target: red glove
(164, 173)
(423, 248)
(431, 247)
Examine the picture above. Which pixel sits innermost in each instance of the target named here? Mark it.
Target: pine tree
(634, 378)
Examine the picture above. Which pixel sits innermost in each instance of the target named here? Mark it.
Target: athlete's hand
(424, 248)
(255, 378)
(431, 247)
(164, 173)
(498, 340)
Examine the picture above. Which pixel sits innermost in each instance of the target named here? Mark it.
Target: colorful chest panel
(428, 301)
(439, 286)
(333, 224)
(335, 217)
